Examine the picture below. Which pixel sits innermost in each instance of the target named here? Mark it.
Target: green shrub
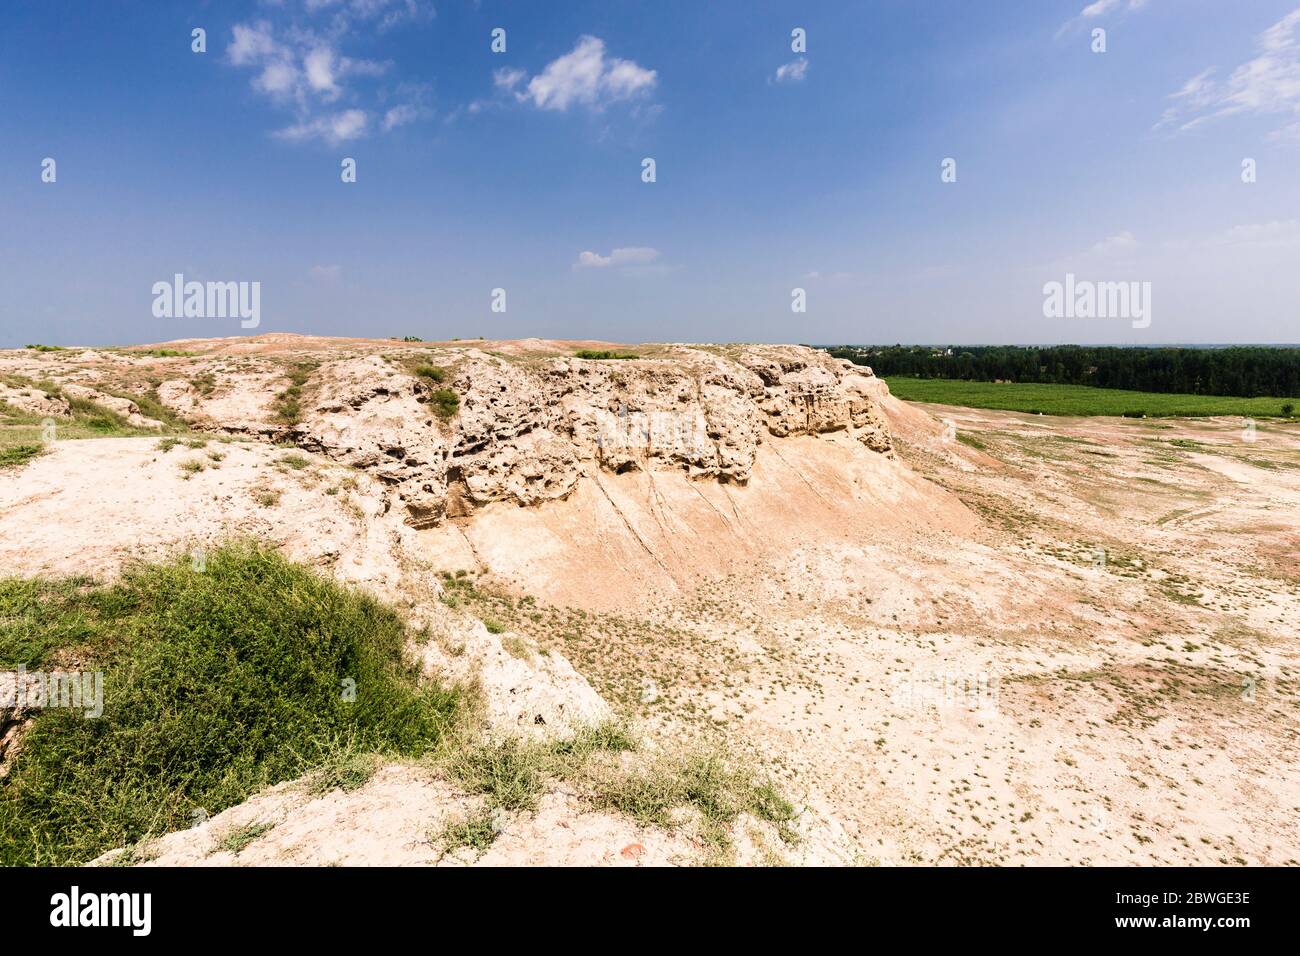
(445, 402)
(477, 832)
(603, 354)
(288, 407)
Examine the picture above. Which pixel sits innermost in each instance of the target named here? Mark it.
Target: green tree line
(1246, 371)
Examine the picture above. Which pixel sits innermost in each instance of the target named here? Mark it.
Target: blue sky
(775, 170)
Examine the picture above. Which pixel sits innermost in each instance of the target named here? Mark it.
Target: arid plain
(952, 636)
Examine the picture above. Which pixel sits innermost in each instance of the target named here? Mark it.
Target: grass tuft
(511, 775)
(240, 838)
(346, 771)
(704, 782)
(267, 497)
(16, 455)
(445, 402)
(288, 403)
(477, 832)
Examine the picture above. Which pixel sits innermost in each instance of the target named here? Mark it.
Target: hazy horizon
(816, 345)
(813, 162)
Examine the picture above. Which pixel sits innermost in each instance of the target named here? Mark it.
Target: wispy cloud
(792, 72)
(1099, 8)
(401, 115)
(817, 275)
(1278, 232)
(327, 275)
(507, 78)
(334, 128)
(1268, 84)
(299, 65)
(383, 14)
(1115, 245)
(1102, 7)
(625, 256)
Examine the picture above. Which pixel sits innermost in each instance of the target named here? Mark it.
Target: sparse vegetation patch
(217, 684)
(603, 354)
(445, 402)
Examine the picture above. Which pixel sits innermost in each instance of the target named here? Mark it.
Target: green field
(1080, 399)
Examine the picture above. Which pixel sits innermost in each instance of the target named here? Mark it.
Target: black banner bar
(145, 905)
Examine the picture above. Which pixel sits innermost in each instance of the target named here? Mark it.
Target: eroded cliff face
(526, 432)
(451, 428)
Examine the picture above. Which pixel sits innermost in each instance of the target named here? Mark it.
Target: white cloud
(584, 76)
(1275, 233)
(319, 68)
(299, 66)
(251, 43)
(1099, 8)
(816, 275)
(1269, 84)
(507, 78)
(386, 14)
(625, 256)
(792, 72)
(327, 274)
(277, 79)
(334, 128)
(1102, 7)
(1196, 88)
(624, 79)
(1115, 245)
(401, 115)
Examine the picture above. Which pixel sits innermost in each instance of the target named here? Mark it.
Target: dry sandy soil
(955, 636)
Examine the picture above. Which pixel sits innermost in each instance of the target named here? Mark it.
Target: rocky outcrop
(527, 432)
(124, 407)
(523, 692)
(234, 398)
(523, 425)
(34, 401)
